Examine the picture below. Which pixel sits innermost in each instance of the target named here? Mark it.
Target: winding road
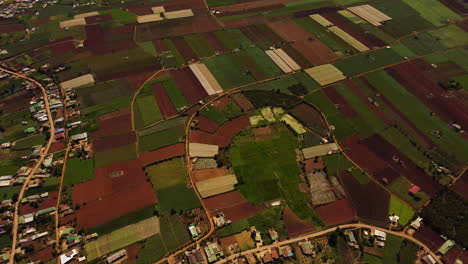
(38, 162)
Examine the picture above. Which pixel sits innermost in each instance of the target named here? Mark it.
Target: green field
(168, 173)
(400, 188)
(366, 62)
(7, 193)
(161, 139)
(27, 143)
(397, 207)
(336, 163)
(433, 11)
(123, 153)
(360, 176)
(173, 50)
(229, 71)
(263, 62)
(146, 109)
(408, 252)
(213, 114)
(392, 248)
(278, 174)
(212, 3)
(199, 45)
(122, 16)
(233, 39)
(102, 92)
(148, 46)
(151, 250)
(50, 184)
(418, 113)
(122, 221)
(177, 198)
(122, 237)
(78, 171)
(450, 36)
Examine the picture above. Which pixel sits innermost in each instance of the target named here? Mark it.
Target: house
(306, 248)
(6, 145)
(351, 238)
(60, 136)
(273, 234)
(116, 256)
(286, 251)
(446, 247)
(413, 190)
(29, 130)
(380, 235)
(393, 219)
(274, 253)
(197, 257)
(59, 130)
(251, 259)
(213, 251)
(193, 231)
(428, 259)
(267, 257)
(66, 257)
(416, 224)
(79, 137)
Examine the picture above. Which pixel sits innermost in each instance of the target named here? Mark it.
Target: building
(66, 257)
(79, 137)
(286, 251)
(414, 189)
(273, 234)
(116, 256)
(193, 231)
(446, 247)
(267, 258)
(197, 257)
(306, 248)
(380, 235)
(213, 251)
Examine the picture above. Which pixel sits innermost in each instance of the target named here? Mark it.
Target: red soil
(136, 77)
(337, 212)
(311, 165)
(294, 225)
(228, 241)
(232, 204)
(388, 173)
(115, 122)
(362, 155)
(345, 108)
(206, 174)
(163, 100)
(205, 124)
(62, 47)
(461, 186)
(105, 143)
(56, 146)
(184, 49)
(141, 10)
(297, 57)
(386, 151)
(253, 9)
(314, 50)
(189, 85)
(457, 7)
(224, 134)
(221, 103)
(251, 5)
(370, 201)
(115, 205)
(162, 154)
(50, 201)
(449, 108)
(455, 253)
(429, 237)
(132, 253)
(370, 105)
(161, 45)
(246, 21)
(8, 28)
(214, 42)
(43, 255)
(243, 102)
(106, 183)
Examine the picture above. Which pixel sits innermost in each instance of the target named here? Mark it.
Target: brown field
(294, 225)
(184, 49)
(8, 28)
(361, 155)
(461, 186)
(136, 77)
(56, 146)
(44, 254)
(429, 237)
(456, 6)
(98, 19)
(205, 124)
(337, 212)
(163, 100)
(115, 205)
(105, 182)
(345, 108)
(161, 45)
(243, 102)
(191, 88)
(370, 201)
(115, 122)
(105, 143)
(206, 174)
(314, 50)
(232, 204)
(308, 115)
(311, 165)
(224, 135)
(297, 57)
(214, 42)
(161, 154)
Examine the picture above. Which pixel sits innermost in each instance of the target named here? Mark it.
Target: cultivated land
(168, 129)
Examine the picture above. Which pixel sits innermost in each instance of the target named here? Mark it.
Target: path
(36, 166)
(326, 231)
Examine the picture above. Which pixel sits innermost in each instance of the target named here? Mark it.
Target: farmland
(173, 127)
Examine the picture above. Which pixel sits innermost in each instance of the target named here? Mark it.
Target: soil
(163, 100)
(337, 212)
(294, 225)
(105, 143)
(184, 49)
(205, 124)
(161, 154)
(191, 88)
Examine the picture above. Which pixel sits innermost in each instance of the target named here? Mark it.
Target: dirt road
(35, 167)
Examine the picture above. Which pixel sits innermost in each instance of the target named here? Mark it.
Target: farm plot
(312, 118)
(279, 168)
(168, 173)
(373, 210)
(295, 226)
(114, 122)
(28, 142)
(162, 154)
(78, 171)
(122, 238)
(146, 109)
(314, 50)
(105, 143)
(400, 209)
(450, 141)
(191, 88)
(214, 186)
(401, 186)
(232, 204)
(233, 39)
(337, 212)
(433, 11)
(122, 153)
(163, 138)
(367, 62)
(261, 35)
(199, 45)
(163, 100)
(260, 65)
(184, 49)
(325, 74)
(177, 198)
(214, 42)
(229, 71)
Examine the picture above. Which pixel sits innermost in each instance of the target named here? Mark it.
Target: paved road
(36, 166)
(324, 232)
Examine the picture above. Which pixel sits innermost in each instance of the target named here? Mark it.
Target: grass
(178, 57)
(397, 207)
(78, 170)
(278, 174)
(400, 188)
(5, 241)
(366, 62)
(264, 63)
(177, 198)
(450, 36)
(433, 11)
(418, 113)
(229, 71)
(123, 153)
(121, 221)
(212, 3)
(457, 56)
(151, 250)
(233, 39)
(102, 92)
(27, 143)
(173, 232)
(392, 249)
(120, 15)
(423, 43)
(199, 45)
(408, 252)
(402, 50)
(168, 173)
(148, 46)
(336, 163)
(146, 109)
(371, 259)
(233, 228)
(7, 193)
(161, 139)
(282, 84)
(50, 184)
(360, 176)
(213, 114)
